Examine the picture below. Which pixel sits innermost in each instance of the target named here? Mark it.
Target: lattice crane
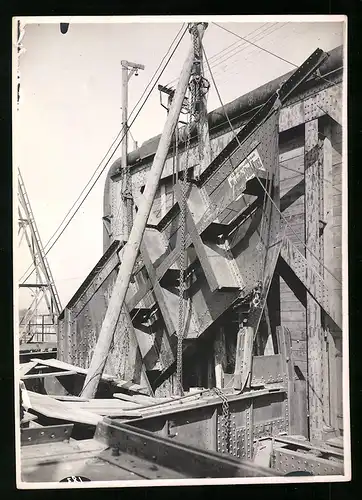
(45, 288)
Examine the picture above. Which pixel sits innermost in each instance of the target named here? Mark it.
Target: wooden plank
(56, 363)
(52, 408)
(243, 358)
(67, 398)
(140, 400)
(24, 368)
(130, 386)
(49, 374)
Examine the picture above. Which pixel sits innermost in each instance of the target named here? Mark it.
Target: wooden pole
(128, 69)
(125, 186)
(133, 244)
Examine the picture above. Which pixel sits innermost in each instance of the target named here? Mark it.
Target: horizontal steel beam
(185, 459)
(47, 434)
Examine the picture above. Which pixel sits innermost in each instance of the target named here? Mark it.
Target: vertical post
(313, 316)
(327, 257)
(332, 376)
(220, 356)
(297, 403)
(132, 246)
(127, 199)
(125, 178)
(243, 358)
(268, 348)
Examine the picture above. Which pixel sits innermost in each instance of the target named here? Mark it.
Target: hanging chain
(182, 287)
(227, 433)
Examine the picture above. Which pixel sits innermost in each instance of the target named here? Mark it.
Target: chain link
(193, 88)
(228, 431)
(182, 286)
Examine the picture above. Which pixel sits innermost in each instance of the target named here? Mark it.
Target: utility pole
(128, 69)
(132, 246)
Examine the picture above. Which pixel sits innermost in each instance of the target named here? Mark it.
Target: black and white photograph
(180, 250)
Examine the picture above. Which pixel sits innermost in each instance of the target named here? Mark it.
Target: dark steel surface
(188, 460)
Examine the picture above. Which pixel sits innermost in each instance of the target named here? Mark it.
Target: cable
(262, 185)
(245, 45)
(271, 53)
(255, 45)
(109, 149)
(220, 54)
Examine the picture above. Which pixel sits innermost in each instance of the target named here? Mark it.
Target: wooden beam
(331, 375)
(243, 357)
(49, 374)
(315, 344)
(220, 357)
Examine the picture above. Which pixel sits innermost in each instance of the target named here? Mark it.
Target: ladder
(40, 261)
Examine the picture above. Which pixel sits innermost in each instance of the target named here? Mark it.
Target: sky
(70, 110)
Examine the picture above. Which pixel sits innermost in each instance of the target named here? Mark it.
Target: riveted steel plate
(267, 370)
(48, 434)
(285, 461)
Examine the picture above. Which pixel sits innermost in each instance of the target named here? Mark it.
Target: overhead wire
(270, 52)
(255, 45)
(245, 45)
(108, 151)
(262, 185)
(238, 49)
